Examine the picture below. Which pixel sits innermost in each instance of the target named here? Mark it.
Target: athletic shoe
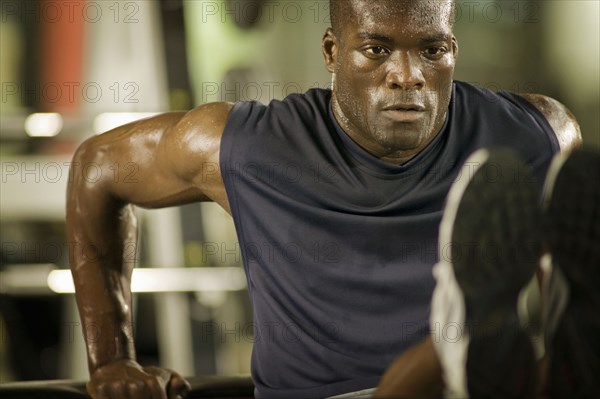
(572, 291)
(489, 249)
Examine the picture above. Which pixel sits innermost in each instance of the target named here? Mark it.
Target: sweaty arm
(561, 120)
(167, 160)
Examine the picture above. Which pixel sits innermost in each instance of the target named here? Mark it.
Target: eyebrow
(375, 36)
(442, 37)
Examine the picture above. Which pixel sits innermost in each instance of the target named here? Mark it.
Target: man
(338, 254)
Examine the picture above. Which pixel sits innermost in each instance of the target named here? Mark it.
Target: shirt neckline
(373, 165)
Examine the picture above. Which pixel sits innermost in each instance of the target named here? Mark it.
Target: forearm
(102, 233)
(105, 315)
(166, 156)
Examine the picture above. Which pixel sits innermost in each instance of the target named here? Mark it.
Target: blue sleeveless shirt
(338, 246)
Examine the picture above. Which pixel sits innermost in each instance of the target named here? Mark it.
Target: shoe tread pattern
(573, 233)
(495, 249)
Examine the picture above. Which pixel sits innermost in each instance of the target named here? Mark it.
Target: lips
(405, 107)
(404, 112)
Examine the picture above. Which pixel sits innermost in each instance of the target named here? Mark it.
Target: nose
(404, 72)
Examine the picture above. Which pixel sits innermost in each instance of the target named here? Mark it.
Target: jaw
(394, 142)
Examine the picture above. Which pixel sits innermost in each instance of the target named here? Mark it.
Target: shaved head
(341, 11)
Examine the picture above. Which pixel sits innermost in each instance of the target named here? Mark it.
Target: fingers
(174, 384)
(178, 387)
(149, 389)
(127, 380)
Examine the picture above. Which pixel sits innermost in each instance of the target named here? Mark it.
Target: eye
(376, 51)
(435, 52)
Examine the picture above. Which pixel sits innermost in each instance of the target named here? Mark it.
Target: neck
(392, 155)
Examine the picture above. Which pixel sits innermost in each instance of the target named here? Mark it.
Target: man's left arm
(561, 120)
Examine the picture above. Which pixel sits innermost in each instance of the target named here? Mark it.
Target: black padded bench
(238, 387)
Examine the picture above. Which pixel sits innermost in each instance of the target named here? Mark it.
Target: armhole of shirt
(240, 111)
(537, 116)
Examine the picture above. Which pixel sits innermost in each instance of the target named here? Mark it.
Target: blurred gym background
(72, 69)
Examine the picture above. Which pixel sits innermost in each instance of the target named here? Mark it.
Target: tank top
(337, 245)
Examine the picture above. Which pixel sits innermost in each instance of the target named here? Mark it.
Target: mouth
(404, 112)
(405, 107)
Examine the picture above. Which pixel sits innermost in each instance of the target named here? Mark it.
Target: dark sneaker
(572, 291)
(489, 250)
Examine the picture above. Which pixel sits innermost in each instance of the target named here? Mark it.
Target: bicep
(151, 163)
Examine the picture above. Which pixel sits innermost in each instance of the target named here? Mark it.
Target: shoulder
(202, 126)
(196, 138)
(210, 117)
(312, 100)
(561, 120)
(294, 110)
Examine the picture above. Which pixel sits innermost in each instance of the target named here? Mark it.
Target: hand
(416, 373)
(126, 379)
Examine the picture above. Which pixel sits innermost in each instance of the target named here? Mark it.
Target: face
(393, 63)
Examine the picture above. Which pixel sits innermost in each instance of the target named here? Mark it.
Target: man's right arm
(167, 160)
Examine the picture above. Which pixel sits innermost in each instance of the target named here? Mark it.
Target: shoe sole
(493, 218)
(572, 227)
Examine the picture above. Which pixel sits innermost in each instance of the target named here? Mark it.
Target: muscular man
(336, 196)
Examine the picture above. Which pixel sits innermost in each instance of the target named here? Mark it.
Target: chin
(403, 140)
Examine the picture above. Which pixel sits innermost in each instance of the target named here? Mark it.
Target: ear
(329, 45)
(454, 47)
